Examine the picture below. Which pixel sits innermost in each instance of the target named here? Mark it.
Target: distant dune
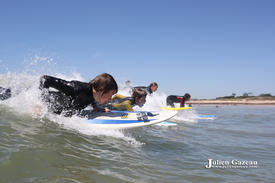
(233, 102)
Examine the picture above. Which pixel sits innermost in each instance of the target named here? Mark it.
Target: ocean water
(41, 150)
(51, 148)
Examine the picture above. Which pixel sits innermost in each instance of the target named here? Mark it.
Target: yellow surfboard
(175, 108)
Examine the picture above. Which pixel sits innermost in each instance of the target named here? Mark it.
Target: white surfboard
(127, 119)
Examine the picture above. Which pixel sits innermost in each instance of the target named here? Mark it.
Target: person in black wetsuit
(5, 93)
(171, 99)
(149, 89)
(72, 97)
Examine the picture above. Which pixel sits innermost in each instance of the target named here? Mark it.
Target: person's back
(70, 97)
(145, 88)
(122, 103)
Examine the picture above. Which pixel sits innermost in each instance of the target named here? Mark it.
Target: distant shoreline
(233, 102)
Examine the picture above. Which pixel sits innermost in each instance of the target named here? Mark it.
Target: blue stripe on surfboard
(110, 121)
(207, 116)
(114, 111)
(147, 112)
(121, 111)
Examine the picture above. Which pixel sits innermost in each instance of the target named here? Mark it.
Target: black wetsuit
(4, 93)
(147, 89)
(171, 99)
(70, 98)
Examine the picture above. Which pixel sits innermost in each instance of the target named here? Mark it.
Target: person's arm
(148, 90)
(181, 99)
(99, 109)
(67, 87)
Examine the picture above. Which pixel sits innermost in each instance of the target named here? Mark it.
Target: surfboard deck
(175, 108)
(127, 119)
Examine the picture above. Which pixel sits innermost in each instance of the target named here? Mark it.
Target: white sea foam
(26, 97)
(78, 124)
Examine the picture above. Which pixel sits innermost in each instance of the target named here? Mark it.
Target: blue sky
(207, 48)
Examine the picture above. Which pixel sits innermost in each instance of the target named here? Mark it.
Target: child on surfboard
(122, 103)
(171, 99)
(149, 89)
(71, 97)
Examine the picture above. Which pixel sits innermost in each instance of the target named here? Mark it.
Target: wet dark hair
(187, 96)
(153, 84)
(104, 82)
(137, 92)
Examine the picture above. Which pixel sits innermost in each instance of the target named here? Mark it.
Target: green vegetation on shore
(248, 96)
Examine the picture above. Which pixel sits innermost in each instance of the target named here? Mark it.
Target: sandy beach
(233, 102)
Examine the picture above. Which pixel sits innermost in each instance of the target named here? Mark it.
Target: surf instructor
(71, 97)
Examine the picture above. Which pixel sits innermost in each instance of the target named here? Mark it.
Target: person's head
(127, 83)
(139, 96)
(187, 96)
(104, 87)
(153, 86)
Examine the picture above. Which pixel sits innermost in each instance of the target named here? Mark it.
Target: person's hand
(97, 109)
